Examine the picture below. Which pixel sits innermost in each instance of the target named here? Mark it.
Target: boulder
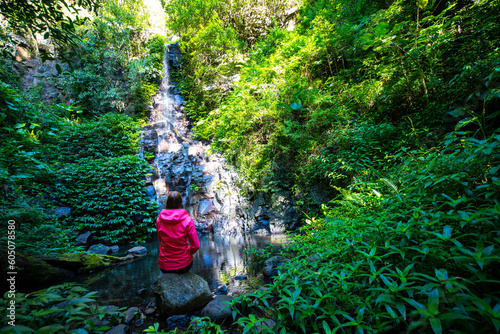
(218, 309)
(180, 293)
(271, 265)
(130, 314)
(120, 329)
(84, 239)
(138, 251)
(99, 249)
(114, 248)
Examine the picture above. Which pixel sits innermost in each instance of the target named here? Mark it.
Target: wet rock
(240, 278)
(207, 207)
(99, 249)
(138, 251)
(150, 191)
(218, 309)
(180, 293)
(130, 315)
(221, 290)
(177, 321)
(114, 248)
(120, 329)
(84, 239)
(149, 311)
(62, 211)
(271, 266)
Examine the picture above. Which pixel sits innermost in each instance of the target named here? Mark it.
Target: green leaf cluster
(65, 308)
(108, 197)
(418, 252)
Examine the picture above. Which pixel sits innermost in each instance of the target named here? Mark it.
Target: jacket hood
(173, 216)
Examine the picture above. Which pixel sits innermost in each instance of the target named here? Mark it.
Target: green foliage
(418, 253)
(47, 17)
(112, 135)
(65, 308)
(108, 198)
(345, 65)
(116, 68)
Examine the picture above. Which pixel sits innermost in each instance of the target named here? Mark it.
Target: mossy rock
(31, 271)
(81, 261)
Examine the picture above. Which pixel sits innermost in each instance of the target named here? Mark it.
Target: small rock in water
(138, 251)
(99, 249)
(177, 321)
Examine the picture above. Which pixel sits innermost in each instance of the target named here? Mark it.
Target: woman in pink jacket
(175, 227)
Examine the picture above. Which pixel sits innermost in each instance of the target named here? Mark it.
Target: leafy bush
(65, 308)
(112, 135)
(108, 198)
(416, 253)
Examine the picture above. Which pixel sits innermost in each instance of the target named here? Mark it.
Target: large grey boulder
(218, 310)
(180, 293)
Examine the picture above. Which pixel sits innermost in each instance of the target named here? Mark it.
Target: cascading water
(182, 164)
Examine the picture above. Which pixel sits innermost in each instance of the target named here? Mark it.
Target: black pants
(178, 271)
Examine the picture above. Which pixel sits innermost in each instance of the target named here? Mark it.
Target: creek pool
(218, 261)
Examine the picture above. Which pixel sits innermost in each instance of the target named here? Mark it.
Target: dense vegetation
(79, 148)
(381, 118)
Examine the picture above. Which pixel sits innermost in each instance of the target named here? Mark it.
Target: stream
(219, 260)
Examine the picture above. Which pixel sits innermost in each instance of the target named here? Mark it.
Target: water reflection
(218, 261)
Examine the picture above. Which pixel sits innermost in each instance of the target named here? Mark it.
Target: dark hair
(174, 200)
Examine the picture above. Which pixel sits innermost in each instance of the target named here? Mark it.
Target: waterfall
(207, 183)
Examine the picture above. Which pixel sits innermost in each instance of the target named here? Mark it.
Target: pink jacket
(175, 227)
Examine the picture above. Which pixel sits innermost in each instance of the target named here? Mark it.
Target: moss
(30, 271)
(81, 261)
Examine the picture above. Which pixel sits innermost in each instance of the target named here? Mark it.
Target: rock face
(180, 293)
(218, 310)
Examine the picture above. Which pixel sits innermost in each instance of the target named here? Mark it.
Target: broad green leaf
(436, 325)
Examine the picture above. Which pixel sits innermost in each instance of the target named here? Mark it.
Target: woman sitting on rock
(175, 227)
